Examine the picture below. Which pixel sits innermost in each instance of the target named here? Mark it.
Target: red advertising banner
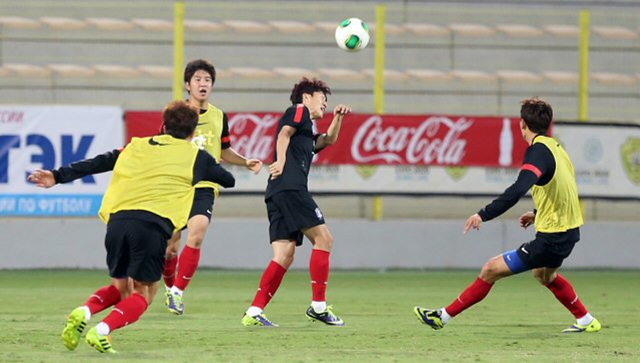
(367, 139)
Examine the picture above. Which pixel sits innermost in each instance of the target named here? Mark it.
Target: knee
(324, 242)
(490, 271)
(284, 259)
(196, 238)
(542, 277)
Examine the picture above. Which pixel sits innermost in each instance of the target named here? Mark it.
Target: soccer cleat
(259, 320)
(429, 317)
(328, 317)
(76, 323)
(593, 327)
(102, 343)
(175, 305)
(167, 295)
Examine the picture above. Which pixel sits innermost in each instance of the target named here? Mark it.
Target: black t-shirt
(299, 153)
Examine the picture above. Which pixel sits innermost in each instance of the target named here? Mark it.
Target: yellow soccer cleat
(593, 327)
(102, 343)
(76, 323)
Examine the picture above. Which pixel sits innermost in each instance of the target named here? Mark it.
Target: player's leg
(189, 259)
(565, 293)
(146, 245)
(104, 297)
(171, 262)
(495, 269)
(322, 240)
(283, 256)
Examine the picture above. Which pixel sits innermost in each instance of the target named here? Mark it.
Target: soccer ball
(352, 34)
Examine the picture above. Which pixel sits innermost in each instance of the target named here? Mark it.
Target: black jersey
(299, 153)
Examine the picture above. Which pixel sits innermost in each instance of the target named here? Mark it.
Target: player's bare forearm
(331, 137)
(231, 156)
(282, 144)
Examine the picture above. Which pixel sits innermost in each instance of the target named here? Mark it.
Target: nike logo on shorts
(524, 250)
(208, 211)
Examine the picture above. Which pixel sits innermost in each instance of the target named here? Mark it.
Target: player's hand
(527, 219)
(275, 169)
(474, 221)
(254, 165)
(42, 178)
(341, 110)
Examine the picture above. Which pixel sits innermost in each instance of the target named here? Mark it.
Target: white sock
(175, 290)
(444, 316)
(103, 328)
(585, 320)
(87, 312)
(319, 306)
(254, 311)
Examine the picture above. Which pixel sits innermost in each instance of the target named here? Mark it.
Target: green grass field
(519, 321)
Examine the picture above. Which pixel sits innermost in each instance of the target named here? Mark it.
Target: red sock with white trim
(319, 271)
(128, 311)
(564, 292)
(105, 297)
(169, 273)
(187, 266)
(269, 284)
(473, 294)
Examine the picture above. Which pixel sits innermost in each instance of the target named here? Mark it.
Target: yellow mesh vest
(557, 202)
(208, 137)
(155, 178)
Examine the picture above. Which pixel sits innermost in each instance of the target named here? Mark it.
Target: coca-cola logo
(253, 135)
(436, 140)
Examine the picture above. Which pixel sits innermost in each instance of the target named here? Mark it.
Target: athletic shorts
(290, 212)
(203, 199)
(548, 249)
(136, 249)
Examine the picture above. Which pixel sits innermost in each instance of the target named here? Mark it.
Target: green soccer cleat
(167, 296)
(175, 305)
(102, 343)
(76, 323)
(328, 317)
(593, 327)
(257, 320)
(429, 317)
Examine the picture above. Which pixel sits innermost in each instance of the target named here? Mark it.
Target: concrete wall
(360, 243)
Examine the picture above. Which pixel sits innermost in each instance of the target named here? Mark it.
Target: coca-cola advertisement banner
(428, 140)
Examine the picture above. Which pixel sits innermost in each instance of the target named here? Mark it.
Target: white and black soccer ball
(352, 34)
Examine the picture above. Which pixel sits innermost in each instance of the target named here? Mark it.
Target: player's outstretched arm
(230, 155)
(330, 138)
(79, 169)
(284, 138)
(206, 168)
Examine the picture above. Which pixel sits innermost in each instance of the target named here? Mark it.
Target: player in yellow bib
(148, 198)
(548, 172)
(212, 135)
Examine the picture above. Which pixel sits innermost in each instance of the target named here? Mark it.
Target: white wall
(243, 243)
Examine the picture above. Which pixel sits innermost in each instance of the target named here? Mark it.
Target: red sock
(189, 259)
(319, 270)
(271, 279)
(105, 297)
(473, 294)
(128, 311)
(169, 273)
(564, 292)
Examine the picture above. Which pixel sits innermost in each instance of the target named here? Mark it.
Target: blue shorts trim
(515, 263)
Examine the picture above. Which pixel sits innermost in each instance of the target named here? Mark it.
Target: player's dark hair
(308, 86)
(180, 119)
(199, 65)
(537, 114)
